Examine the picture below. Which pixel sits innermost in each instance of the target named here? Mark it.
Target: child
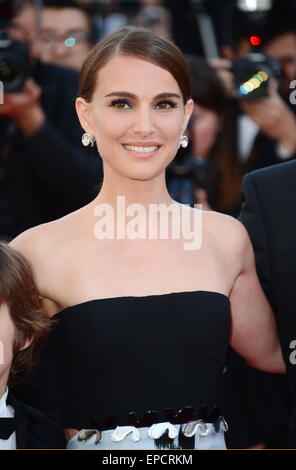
(23, 330)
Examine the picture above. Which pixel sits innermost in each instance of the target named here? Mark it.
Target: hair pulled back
(140, 43)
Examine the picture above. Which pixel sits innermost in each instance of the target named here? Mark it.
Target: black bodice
(123, 355)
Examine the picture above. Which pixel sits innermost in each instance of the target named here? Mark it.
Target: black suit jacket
(269, 214)
(33, 429)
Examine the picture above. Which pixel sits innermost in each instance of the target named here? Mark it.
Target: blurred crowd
(42, 164)
(45, 173)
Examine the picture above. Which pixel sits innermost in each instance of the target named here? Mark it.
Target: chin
(145, 174)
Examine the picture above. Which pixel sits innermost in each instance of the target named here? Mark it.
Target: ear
(188, 111)
(83, 112)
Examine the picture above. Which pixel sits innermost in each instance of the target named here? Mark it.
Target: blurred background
(242, 56)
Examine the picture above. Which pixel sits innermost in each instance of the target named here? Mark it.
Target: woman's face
(137, 116)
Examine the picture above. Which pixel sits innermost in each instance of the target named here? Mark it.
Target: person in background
(275, 116)
(265, 136)
(41, 160)
(268, 213)
(155, 18)
(267, 126)
(67, 34)
(215, 171)
(24, 328)
(213, 135)
(113, 17)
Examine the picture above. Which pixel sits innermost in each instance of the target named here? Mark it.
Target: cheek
(174, 130)
(6, 345)
(109, 127)
(169, 128)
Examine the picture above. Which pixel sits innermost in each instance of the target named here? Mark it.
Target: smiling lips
(142, 148)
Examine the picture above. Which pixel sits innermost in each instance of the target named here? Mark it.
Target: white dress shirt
(247, 133)
(6, 411)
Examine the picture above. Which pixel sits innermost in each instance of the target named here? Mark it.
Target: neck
(144, 192)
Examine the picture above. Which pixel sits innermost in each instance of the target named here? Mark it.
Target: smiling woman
(143, 324)
(141, 114)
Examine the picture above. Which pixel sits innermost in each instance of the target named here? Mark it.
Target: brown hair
(19, 292)
(135, 42)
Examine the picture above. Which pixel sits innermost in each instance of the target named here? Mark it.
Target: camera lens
(8, 71)
(14, 63)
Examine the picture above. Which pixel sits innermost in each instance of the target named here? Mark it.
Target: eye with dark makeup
(164, 105)
(120, 104)
(167, 104)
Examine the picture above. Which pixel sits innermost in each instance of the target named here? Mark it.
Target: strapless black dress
(129, 363)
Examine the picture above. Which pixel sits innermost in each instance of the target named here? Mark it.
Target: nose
(143, 122)
(59, 49)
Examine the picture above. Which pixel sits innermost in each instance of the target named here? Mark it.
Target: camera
(14, 55)
(253, 71)
(252, 75)
(188, 173)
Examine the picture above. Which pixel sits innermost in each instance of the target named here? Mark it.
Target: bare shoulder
(228, 224)
(227, 234)
(35, 245)
(33, 241)
(37, 241)
(45, 247)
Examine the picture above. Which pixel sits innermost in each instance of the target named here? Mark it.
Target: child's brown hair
(19, 292)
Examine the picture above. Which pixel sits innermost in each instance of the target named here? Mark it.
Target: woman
(143, 323)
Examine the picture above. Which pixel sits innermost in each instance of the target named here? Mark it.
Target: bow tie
(7, 427)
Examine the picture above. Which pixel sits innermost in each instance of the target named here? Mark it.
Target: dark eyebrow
(126, 94)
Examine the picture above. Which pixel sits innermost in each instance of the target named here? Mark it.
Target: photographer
(44, 173)
(267, 125)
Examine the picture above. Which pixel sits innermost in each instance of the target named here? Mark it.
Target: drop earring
(184, 141)
(87, 139)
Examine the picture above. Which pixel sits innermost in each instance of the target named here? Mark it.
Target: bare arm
(253, 334)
